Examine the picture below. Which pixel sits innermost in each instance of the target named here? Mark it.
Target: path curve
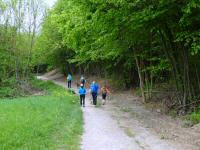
(102, 131)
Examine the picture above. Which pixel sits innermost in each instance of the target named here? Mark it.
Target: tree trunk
(141, 79)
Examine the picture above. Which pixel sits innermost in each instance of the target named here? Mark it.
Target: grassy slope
(51, 122)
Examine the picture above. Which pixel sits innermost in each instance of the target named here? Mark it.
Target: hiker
(82, 92)
(104, 92)
(94, 91)
(69, 80)
(82, 80)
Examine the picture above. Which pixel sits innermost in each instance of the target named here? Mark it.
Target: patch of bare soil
(27, 89)
(53, 75)
(144, 123)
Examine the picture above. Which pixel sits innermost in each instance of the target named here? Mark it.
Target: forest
(148, 51)
(152, 45)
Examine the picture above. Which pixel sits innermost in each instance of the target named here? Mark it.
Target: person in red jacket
(104, 92)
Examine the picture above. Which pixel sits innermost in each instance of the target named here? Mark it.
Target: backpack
(94, 88)
(69, 77)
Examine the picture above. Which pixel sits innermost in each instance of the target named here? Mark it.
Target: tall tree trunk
(197, 74)
(141, 79)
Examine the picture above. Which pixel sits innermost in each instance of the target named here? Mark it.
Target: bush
(8, 92)
(195, 116)
(9, 88)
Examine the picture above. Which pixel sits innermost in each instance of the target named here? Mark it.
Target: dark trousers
(69, 84)
(104, 96)
(82, 100)
(94, 97)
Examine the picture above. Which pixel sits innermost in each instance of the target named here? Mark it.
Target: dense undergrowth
(52, 121)
(9, 88)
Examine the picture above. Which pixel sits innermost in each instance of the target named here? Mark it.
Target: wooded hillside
(141, 43)
(147, 41)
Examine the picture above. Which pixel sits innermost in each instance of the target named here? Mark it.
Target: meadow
(48, 122)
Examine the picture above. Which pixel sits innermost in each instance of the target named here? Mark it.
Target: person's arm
(79, 91)
(85, 91)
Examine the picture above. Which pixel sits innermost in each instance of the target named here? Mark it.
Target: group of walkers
(94, 90)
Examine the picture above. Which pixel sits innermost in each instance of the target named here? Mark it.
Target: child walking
(104, 92)
(82, 92)
(82, 80)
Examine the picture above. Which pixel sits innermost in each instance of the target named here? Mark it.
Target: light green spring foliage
(110, 34)
(19, 22)
(105, 30)
(53, 121)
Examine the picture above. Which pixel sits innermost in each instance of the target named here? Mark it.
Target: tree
(158, 39)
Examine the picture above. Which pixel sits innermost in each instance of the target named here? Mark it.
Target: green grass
(125, 109)
(195, 116)
(129, 132)
(49, 122)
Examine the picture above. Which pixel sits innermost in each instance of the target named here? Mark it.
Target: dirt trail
(124, 124)
(149, 126)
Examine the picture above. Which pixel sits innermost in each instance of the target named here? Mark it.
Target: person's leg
(70, 84)
(104, 99)
(95, 98)
(104, 96)
(83, 100)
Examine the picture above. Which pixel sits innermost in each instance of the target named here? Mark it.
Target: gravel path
(102, 132)
(112, 128)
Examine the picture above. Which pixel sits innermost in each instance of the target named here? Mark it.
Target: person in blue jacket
(82, 80)
(94, 91)
(82, 92)
(69, 80)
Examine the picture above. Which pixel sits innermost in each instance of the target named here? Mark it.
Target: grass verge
(50, 122)
(195, 116)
